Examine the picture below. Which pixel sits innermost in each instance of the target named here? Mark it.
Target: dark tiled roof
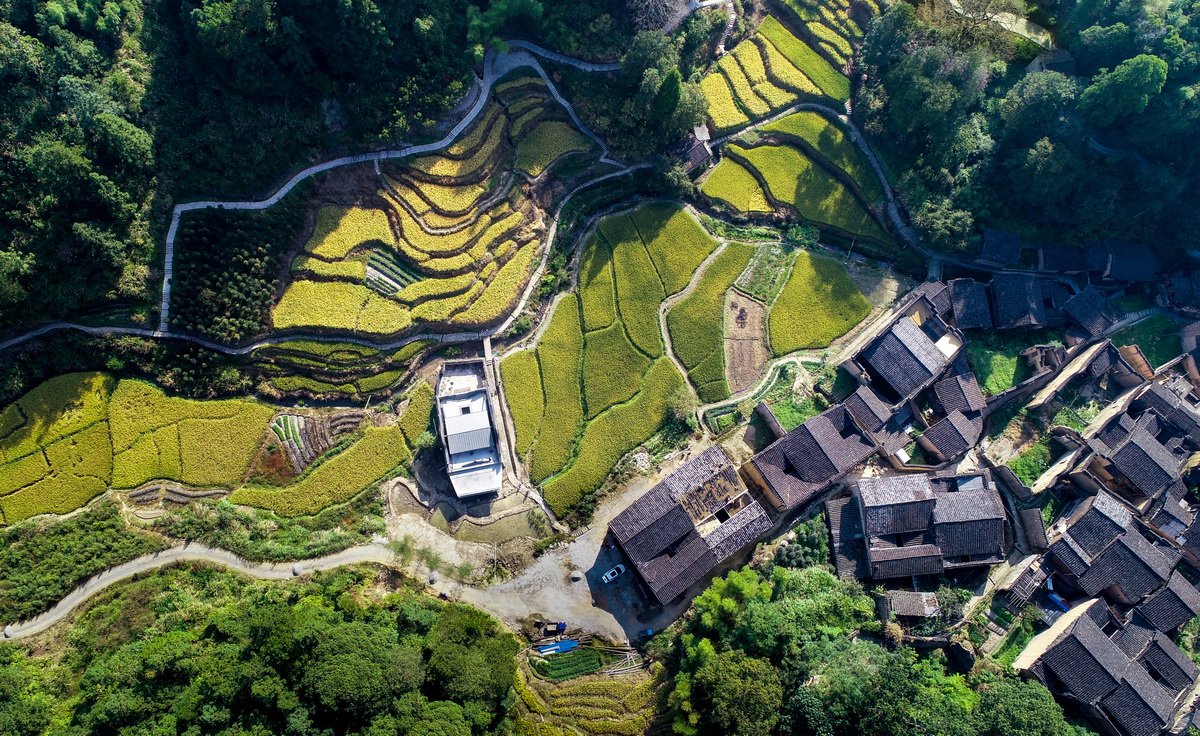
(1134, 637)
(813, 455)
(1169, 511)
(1017, 299)
(866, 406)
(1173, 666)
(1086, 661)
(1173, 408)
(1000, 246)
(1105, 520)
(905, 358)
(1035, 528)
(970, 301)
(958, 393)
(1173, 605)
(1145, 463)
(1092, 311)
(914, 604)
(969, 523)
(935, 291)
(974, 505)
(1139, 705)
(849, 547)
(955, 434)
(899, 562)
(1131, 564)
(896, 503)
(1067, 552)
(1096, 256)
(1062, 259)
(659, 535)
(1132, 261)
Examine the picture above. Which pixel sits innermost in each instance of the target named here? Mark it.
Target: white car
(613, 574)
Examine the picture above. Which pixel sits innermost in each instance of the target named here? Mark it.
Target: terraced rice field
(733, 184)
(598, 384)
(818, 304)
(754, 81)
(697, 325)
(826, 139)
(625, 705)
(795, 178)
(447, 239)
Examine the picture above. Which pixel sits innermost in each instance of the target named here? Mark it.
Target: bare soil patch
(746, 351)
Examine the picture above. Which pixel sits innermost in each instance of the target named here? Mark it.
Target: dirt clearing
(746, 351)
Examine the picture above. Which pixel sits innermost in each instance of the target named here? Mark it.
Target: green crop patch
(814, 66)
(818, 304)
(832, 143)
(548, 142)
(523, 389)
(614, 433)
(338, 230)
(676, 243)
(732, 184)
(53, 410)
(418, 417)
(610, 361)
(597, 289)
(723, 109)
(560, 353)
(795, 179)
(639, 292)
(697, 323)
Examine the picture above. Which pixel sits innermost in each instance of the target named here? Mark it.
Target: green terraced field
(818, 304)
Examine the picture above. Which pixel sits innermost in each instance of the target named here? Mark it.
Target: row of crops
(628, 705)
(447, 239)
(76, 435)
(598, 383)
(317, 368)
(765, 74)
(805, 162)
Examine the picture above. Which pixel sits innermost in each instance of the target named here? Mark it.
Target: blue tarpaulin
(558, 647)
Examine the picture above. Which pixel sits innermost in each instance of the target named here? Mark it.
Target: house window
(722, 515)
(466, 410)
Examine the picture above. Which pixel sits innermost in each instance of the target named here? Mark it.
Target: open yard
(1157, 336)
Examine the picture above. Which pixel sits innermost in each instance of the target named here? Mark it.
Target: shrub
(612, 368)
(831, 142)
(337, 230)
(697, 323)
(831, 82)
(613, 434)
(597, 291)
(792, 177)
(372, 457)
(675, 241)
(546, 144)
(523, 388)
(732, 184)
(561, 346)
(818, 303)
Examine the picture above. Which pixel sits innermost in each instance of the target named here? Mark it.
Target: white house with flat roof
(465, 420)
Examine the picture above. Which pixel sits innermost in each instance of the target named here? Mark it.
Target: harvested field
(746, 351)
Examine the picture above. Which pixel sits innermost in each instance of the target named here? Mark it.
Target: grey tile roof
(905, 358)
(1131, 564)
(1145, 463)
(975, 505)
(1087, 662)
(936, 292)
(1173, 605)
(866, 406)
(970, 301)
(958, 393)
(1105, 520)
(1139, 705)
(1176, 671)
(955, 434)
(1062, 259)
(914, 604)
(969, 523)
(1092, 311)
(1132, 261)
(1017, 301)
(1001, 246)
(658, 533)
(1035, 528)
(895, 489)
(812, 456)
(849, 545)
(1173, 408)
(897, 562)
(896, 503)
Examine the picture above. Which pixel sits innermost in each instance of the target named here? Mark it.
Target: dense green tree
(1126, 90)
(737, 695)
(1013, 707)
